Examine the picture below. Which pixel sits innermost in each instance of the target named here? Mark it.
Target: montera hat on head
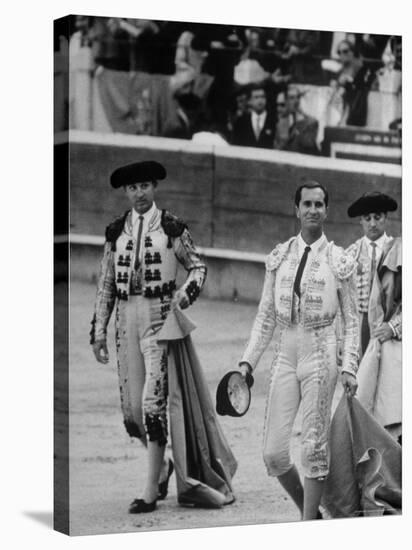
(233, 394)
(138, 172)
(372, 202)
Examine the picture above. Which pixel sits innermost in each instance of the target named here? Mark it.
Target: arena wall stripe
(237, 201)
(229, 151)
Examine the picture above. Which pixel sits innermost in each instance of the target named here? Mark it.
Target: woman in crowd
(353, 81)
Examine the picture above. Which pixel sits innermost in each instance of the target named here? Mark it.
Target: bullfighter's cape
(204, 463)
(365, 468)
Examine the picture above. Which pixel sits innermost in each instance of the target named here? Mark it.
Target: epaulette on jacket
(172, 225)
(278, 254)
(342, 263)
(354, 249)
(114, 229)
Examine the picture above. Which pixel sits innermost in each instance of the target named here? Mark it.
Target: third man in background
(372, 209)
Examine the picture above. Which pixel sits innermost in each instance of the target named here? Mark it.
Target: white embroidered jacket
(359, 251)
(328, 287)
(166, 243)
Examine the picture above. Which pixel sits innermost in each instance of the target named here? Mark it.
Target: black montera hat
(373, 201)
(233, 394)
(138, 172)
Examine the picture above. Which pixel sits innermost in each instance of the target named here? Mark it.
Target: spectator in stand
(256, 128)
(187, 119)
(164, 42)
(300, 51)
(260, 62)
(370, 46)
(355, 79)
(82, 27)
(110, 46)
(224, 53)
(282, 122)
(295, 130)
(395, 44)
(187, 58)
(253, 46)
(239, 108)
(123, 44)
(389, 77)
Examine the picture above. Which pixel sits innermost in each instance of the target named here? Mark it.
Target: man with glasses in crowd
(295, 130)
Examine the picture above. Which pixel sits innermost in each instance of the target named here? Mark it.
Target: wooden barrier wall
(231, 197)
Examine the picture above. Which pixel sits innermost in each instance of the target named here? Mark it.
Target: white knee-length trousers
(304, 371)
(142, 368)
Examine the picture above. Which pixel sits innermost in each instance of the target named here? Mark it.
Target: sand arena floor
(108, 468)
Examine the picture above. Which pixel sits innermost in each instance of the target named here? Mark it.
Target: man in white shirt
(372, 209)
(138, 276)
(308, 281)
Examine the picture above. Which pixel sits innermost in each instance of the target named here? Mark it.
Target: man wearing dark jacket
(295, 130)
(256, 128)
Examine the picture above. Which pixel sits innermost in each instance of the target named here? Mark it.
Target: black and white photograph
(228, 259)
(204, 205)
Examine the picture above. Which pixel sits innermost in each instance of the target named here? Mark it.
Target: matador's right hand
(100, 351)
(245, 369)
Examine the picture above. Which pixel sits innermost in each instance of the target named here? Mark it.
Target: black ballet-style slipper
(319, 515)
(164, 485)
(139, 506)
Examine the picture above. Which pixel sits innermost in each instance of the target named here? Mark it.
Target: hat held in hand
(233, 394)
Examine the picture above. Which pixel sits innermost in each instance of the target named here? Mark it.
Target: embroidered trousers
(142, 368)
(304, 371)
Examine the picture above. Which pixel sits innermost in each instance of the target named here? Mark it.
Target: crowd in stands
(245, 84)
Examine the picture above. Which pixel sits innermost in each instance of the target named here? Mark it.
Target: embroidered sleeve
(343, 264)
(264, 325)
(105, 295)
(189, 257)
(350, 324)
(353, 250)
(275, 258)
(114, 229)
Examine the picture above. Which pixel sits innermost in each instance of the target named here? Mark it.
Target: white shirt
(147, 216)
(258, 121)
(380, 243)
(314, 247)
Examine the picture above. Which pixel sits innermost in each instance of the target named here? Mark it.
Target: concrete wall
(233, 198)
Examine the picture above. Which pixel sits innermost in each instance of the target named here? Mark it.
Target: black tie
(139, 238)
(296, 284)
(373, 264)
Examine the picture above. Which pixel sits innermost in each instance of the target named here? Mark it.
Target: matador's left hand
(181, 299)
(383, 333)
(350, 384)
